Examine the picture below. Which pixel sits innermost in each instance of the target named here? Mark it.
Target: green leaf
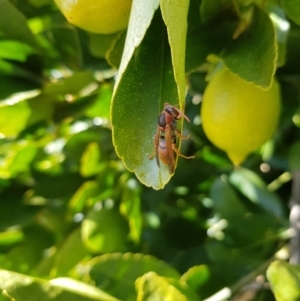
(20, 287)
(116, 273)
(218, 11)
(13, 25)
(10, 237)
(196, 276)
(252, 55)
(175, 17)
(89, 163)
(225, 200)
(104, 230)
(253, 187)
(151, 286)
(134, 117)
(114, 55)
(285, 280)
(86, 194)
(14, 50)
(101, 44)
(130, 207)
(292, 9)
(211, 38)
(66, 258)
(100, 107)
(293, 156)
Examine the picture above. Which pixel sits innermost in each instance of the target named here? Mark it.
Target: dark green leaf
(252, 186)
(13, 25)
(292, 9)
(294, 158)
(116, 273)
(225, 200)
(252, 55)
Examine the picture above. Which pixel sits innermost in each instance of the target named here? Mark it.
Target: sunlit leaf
(20, 287)
(285, 280)
(89, 163)
(134, 117)
(196, 276)
(150, 285)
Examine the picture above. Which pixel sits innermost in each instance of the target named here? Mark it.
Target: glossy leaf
(116, 273)
(134, 118)
(249, 184)
(292, 9)
(285, 280)
(20, 287)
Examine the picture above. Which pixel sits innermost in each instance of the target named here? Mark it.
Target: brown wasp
(165, 145)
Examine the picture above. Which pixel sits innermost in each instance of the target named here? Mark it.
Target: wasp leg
(179, 154)
(181, 136)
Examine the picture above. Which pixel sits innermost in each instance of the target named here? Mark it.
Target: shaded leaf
(252, 55)
(293, 157)
(104, 230)
(116, 273)
(69, 254)
(253, 187)
(292, 9)
(225, 200)
(218, 11)
(13, 25)
(202, 39)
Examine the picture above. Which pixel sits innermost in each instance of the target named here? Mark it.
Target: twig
(295, 219)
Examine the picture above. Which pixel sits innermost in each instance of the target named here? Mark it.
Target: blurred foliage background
(68, 204)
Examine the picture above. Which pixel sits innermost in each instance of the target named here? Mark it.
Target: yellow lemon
(97, 16)
(237, 116)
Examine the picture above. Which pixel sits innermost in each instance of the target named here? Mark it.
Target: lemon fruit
(97, 16)
(237, 116)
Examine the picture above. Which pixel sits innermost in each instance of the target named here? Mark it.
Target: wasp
(165, 145)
